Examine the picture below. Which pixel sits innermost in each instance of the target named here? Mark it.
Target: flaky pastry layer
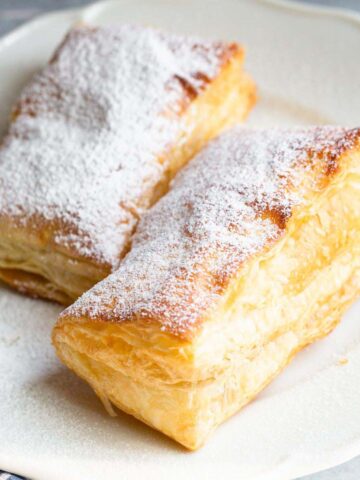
(47, 254)
(292, 291)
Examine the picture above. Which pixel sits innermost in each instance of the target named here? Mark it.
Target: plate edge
(294, 6)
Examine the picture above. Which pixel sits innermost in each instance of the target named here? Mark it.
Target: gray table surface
(15, 12)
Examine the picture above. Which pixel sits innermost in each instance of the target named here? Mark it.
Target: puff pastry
(253, 254)
(94, 140)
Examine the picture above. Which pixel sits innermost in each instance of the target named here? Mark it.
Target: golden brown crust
(63, 222)
(178, 279)
(282, 265)
(33, 285)
(184, 378)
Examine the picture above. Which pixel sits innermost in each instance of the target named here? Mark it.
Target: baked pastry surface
(95, 139)
(253, 254)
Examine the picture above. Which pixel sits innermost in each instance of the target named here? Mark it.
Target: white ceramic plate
(52, 427)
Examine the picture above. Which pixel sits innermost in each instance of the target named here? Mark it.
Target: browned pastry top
(231, 202)
(89, 133)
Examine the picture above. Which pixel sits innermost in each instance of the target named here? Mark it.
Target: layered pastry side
(252, 255)
(94, 141)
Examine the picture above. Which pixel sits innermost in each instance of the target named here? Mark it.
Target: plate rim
(295, 6)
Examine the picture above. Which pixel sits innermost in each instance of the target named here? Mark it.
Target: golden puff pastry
(94, 141)
(253, 254)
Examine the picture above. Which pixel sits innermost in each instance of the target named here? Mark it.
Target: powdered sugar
(83, 151)
(233, 199)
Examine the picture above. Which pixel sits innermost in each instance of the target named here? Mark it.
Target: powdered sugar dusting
(90, 127)
(229, 203)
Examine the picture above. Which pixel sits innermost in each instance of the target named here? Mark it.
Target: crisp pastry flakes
(252, 255)
(94, 141)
